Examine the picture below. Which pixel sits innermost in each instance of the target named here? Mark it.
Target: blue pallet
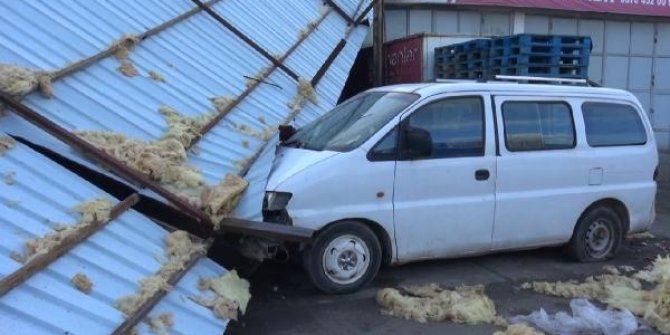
(470, 65)
(579, 72)
(539, 59)
(478, 44)
(464, 47)
(550, 50)
(547, 40)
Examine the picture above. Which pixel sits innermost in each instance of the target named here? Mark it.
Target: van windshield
(353, 122)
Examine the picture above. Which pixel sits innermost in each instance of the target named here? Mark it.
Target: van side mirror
(285, 132)
(417, 143)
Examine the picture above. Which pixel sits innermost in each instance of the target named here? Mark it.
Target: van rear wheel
(597, 236)
(343, 258)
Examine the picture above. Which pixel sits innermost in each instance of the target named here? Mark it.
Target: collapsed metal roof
(117, 66)
(37, 197)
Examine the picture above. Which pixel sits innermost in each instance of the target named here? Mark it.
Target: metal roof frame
(130, 174)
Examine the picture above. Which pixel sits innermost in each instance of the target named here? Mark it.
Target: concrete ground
(284, 302)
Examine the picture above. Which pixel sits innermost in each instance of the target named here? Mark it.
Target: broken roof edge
(235, 226)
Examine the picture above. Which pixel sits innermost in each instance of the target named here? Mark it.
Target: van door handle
(482, 174)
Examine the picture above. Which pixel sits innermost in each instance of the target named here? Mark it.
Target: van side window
(611, 124)
(535, 125)
(386, 149)
(456, 126)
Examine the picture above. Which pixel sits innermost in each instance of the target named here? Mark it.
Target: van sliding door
(541, 174)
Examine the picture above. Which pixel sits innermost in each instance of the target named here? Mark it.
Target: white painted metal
(540, 194)
(434, 198)
(542, 79)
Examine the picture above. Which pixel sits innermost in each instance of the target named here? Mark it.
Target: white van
(437, 170)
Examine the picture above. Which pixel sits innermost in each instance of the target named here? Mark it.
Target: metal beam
(83, 63)
(273, 231)
(253, 86)
(329, 61)
(378, 43)
(246, 39)
(144, 309)
(315, 81)
(40, 262)
(104, 158)
(341, 12)
(361, 18)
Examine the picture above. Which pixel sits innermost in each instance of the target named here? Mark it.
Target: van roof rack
(524, 80)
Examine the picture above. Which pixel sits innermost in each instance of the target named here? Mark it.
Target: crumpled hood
(290, 161)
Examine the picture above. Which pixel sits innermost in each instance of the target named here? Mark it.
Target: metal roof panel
(199, 59)
(115, 258)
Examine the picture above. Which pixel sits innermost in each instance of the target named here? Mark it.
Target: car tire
(597, 236)
(343, 258)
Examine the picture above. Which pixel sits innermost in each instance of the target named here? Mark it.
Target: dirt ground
(284, 302)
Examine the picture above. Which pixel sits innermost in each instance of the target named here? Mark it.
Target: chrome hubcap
(346, 259)
(599, 239)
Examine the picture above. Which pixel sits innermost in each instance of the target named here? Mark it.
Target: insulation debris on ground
(594, 287)
(155, 76)
(164, 161)
(6, 143)
(464, 304)
(9, 177)
(89, 212)
(519, 329)
(82, 283)
(179, 249)
(231, 294)
(17, 81)
(611, 269)
(650, 301)
(640, 236)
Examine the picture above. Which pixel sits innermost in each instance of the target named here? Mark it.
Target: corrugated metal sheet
(353, 9)
(114, 258)
(199, 59)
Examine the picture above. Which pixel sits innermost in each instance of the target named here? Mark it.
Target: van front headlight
(276, 201)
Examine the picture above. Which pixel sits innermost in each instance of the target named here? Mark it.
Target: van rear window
(611, 124)
(533, 125)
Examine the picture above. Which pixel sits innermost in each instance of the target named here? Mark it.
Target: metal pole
(378, 42)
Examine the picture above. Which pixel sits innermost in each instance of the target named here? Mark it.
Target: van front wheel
(343, 258)
(597, 236)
